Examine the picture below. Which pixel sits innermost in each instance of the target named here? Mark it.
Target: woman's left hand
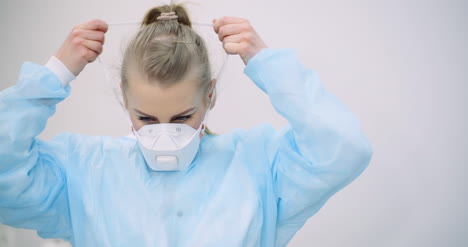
(238, 37)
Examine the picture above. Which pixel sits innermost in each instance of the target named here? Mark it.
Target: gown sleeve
(33, 186)
(322, 148)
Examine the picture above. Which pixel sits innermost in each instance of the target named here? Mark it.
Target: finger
(92, 56)
(95, 24)
(232, 48)
(95, 46)
(231, 29)
(233, 39)
(93, 35)
(227, 20)
(88, 54)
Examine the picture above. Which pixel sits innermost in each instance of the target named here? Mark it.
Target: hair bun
(152, 15)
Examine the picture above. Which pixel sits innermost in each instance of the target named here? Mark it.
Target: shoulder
(258, 133)
(258, 140)
(264, 134)
(86, 144)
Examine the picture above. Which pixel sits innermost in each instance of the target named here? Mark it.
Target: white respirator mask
(169, 146)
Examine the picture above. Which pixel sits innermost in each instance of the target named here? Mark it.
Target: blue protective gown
(253, 187)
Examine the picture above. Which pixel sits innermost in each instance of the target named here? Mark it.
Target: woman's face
(148, 103)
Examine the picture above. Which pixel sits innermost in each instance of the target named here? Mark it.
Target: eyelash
(149, 119)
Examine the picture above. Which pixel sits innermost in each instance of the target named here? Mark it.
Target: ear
(212, 95)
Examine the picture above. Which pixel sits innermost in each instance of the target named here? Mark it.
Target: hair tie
(167, 16)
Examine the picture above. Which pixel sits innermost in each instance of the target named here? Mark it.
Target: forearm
(324, 130)
(33, 189)
(24, 111)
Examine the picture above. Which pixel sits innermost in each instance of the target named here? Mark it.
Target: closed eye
(182, 118)
(146, 119)
(179, 118)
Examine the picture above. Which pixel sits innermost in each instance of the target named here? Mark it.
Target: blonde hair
(166, 51)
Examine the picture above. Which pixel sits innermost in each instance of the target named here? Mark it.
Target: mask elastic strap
(139, 22)
(209, 106)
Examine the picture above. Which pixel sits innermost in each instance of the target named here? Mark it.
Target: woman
(175, 184)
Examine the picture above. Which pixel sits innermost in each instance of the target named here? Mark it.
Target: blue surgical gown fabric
(250, 187)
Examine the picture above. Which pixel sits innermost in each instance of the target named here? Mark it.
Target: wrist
(60, 70)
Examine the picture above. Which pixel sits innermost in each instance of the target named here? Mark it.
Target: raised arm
(319, 152)
(33, 184)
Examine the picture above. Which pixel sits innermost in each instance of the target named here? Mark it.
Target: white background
(401, 66)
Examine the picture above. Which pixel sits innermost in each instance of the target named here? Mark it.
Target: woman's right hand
(83, 45)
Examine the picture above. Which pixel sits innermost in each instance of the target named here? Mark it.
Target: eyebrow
(175, 116)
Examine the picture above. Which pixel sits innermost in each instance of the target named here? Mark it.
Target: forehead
(153, 99)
